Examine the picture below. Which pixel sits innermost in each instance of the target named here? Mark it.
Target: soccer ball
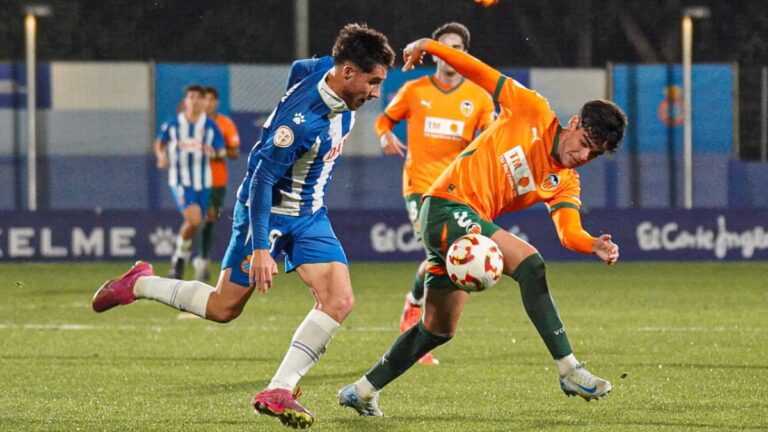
(474, 262)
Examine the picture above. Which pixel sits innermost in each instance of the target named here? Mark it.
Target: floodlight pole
(301, 28)
(687, 38)
(30, 30)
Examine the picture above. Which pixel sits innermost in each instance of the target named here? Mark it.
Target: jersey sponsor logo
(283, 137)
(551, 182)
(191, 145)
(467, 107)
(427, 104)
(518, 171)
(443, 128)
(336, 149)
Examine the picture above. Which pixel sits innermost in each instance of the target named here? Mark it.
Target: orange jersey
(231, 140)
(514, 164)
(441, 122)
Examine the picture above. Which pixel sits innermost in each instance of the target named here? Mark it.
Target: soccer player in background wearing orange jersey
(525, 157)
(219, 188)
(444, 112)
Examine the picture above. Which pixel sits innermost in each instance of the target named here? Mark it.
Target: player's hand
(413, 54)
(391, 145)
(605, 249)
(263, 267)
(162, 160)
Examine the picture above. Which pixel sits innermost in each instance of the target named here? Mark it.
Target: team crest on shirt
(467, 107)
(283, 137)
(550, 182)
(474, 228)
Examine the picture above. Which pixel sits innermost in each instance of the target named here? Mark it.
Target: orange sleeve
(395, 111)
(468, 66)
(383, 125)
(488, 116)
(572, 235)
(228, 130)
(506, 91)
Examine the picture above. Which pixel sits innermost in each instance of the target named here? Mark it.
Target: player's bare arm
(391, 145)
(263, 267)
(162, 157)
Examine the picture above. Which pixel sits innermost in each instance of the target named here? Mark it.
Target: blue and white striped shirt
(290, 168)
(188, 163)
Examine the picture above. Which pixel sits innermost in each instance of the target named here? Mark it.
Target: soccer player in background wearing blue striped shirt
(184, 146)
(280, 208)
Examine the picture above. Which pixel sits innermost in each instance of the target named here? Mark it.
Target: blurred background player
(524, 158)
(219, 181)
(184, 147)
(280, 208)
(444, 112)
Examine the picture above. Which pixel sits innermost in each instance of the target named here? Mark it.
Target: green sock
(541, 309)
(417, 291)
(407, 350)
(206, 240)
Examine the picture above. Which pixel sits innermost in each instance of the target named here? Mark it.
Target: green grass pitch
(685, 346)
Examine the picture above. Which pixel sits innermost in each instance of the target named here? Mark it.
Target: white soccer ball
(474, 262)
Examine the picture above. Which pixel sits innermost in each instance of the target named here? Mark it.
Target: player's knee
(442, 333)
(339, 307)
(223, 313)
(531, 268)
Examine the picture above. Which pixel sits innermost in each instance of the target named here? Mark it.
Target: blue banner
(375, 235)
(13, 86)
(652, 96)
(171, 79)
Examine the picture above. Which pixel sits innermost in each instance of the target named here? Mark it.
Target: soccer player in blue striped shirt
(184, 147)
(280, 208)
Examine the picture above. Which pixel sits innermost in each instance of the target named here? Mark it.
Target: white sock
(412, 300)
(186, 296)
(364, 388)
(565, 364)
(308, 344)
(183, 248)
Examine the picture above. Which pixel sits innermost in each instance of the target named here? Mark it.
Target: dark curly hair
(605, 123)
(455, 28)
(365, 47)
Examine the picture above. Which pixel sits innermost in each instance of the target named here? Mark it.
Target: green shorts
(216, 201)
(442, 222)
(413, 206)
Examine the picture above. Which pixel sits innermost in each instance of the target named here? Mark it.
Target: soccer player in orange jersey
(219, 187)
(444, 112)
(525, 157)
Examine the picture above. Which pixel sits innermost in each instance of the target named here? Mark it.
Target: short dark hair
(605, 123)
(194, 88)
(209, 90)
(365, 47)
(454, 28)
